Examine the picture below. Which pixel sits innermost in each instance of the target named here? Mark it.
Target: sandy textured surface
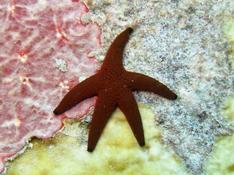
(182, 44)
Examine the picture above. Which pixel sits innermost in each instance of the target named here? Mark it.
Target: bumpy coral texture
(44, 51)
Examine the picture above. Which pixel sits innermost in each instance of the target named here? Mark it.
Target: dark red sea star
(113, 86)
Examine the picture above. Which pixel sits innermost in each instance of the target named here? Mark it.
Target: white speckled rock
(180, 43)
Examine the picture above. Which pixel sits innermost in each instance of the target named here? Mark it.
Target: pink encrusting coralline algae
(44, 51)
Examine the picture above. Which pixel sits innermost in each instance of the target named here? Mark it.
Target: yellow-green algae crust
(221, 161)
(228, 30)
(116, 154)
(229, 109)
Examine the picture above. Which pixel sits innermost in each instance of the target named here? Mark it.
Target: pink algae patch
(44, 49)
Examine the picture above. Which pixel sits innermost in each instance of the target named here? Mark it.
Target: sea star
(113, 86)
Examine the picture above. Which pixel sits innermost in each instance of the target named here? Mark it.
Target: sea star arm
(142, 82)
(80, 92)
(128, 106)
(104, 107)
(114, 56)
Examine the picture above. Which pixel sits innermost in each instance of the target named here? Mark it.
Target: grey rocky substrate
(180, 43)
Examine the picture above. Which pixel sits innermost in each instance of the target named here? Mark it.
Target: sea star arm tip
(114, 54)
(130, 30)
(142, 82)
(128, 106)
(104, 107)
(80, 92)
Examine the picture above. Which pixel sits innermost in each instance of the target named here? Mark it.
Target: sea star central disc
(113, 86)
